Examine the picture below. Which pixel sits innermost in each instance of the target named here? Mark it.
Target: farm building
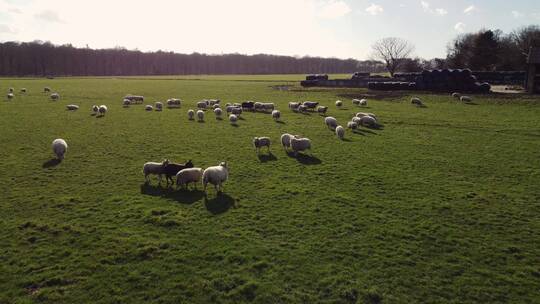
(533, 70)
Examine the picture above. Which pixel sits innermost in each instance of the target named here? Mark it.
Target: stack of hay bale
(312, 80)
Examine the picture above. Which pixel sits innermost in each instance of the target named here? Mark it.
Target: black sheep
(172, 169)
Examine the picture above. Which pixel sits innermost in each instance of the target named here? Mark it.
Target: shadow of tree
(51, 163)
(182, 196)
(219, 204)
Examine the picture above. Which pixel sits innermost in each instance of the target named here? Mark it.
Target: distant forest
(46, 59)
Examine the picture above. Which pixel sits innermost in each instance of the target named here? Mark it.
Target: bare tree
(392, 51)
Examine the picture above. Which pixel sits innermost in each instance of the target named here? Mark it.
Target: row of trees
(44, 58)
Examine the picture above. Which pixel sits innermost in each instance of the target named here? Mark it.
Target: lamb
(202, 105)
(368, 121)
(276, 115)
(322, 110)
(46, 90)
(10, 96)
(72, 107)
(294, 105)
(55, 96)
(159, 106)
(339, 103)
(352, 124)
(456, 95)
(300, 144)
(148, 108)
(126, 103)
(155, 169)
(200, 115)
(233, 118)
(465, 99)
(340, 132)
(286, 140)
(102, 110)
(95, 109)
(331, 122)
(188, 175)
(218, 113)
(416, 101)
(259, 142)
(23, 90)
(171, 169)
(59, 147)
(191, 114)
(310, 104)
(216, 176)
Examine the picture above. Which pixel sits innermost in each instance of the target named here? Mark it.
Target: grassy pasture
(442, 205)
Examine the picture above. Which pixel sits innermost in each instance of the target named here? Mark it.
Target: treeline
(46, 59)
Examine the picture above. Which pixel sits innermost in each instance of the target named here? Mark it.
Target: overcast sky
(329, 28)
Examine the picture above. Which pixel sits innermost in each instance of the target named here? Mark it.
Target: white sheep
(294, 105)
(286, 140)
(148, 108)
(23, 90)
(202, 105)
(302, 109)
(259, 142)
(216, 176)
(72, 107)
(340, 132)
(55, 96)
(59, 147)
(368, 121)
(153, 168)
(200, 115)
(362, 114)
(417, 101)
(352, 124)
(356, 102)
(233, 119)
(356, 120)
(159, 106)
(191, 114)
(188, 175)
(10, 96)
(46, 90)
(102, 110)
(216, 106)
(267, 106)
(126, 103)
(300, 144)
(363, 102)
(465, 99)
(339, 103)
(322, 109)
(456, 95)
(95, 109)
(11, 90)
(276, 115)
(218, 113)
(236, 110)
(174, 102)
(331, 122)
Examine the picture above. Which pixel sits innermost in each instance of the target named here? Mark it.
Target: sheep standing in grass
(363, 102)
(10, 96)
(300, 144)
(236, 111)
(55, 96)
(310, 104)
(356, 120)
(11, 90)
(416, 101)
(456, 95)
(191, 114)
(352, 124)
(153, 168)
(339, 103)
(233, 119)
(218, 113)
(340, 132)
(72, 107)
(276, 115)
(362, 114)
(302, 109)
(102, 110)
(216, 176)
(23, 90)
(356, 102)
(259, 142)
(148, 108)
(294, 105)
(331, 122)
(126, 103)
(159, 106)
(46, 90)
(174, 102)
(95, 109)
(267, 106)
(200, 115)
(286, 140)
(216, 106)
(322, 110)
(202, 105)
(188, 175)
(465, 99)
(368, 121)
(59, 147)
(171, 169)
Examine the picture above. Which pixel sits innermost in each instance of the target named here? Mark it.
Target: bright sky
(329, 28)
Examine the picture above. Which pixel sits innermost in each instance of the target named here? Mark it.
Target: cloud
(333, 9)
(460, 27)
(470, 9)
(5, 29)
(49, 16)
(374, 9)
(427, 8)
(517, 14)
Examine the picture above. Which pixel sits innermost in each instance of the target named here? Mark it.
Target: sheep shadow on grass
(364, 132)
(182, 196)
(51, 163)
(280, 122)
(263, 158)
(219, 204)
(305, 159)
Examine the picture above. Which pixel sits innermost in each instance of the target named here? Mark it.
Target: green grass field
(442, 205)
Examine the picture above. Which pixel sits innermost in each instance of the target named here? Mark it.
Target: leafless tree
(392, 51)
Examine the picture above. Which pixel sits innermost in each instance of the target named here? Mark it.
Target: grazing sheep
(356, 120)
(202, 105)
(59, 147)
(363, 102)
(322, 110)
(356, 102)
(10, 96)
(237, 104)
(200, 115)
(362, 114)
(257, 106)
(55, 96)
(294, 105)
(148, 107)
(72, 107)
(310, 104)
(46, 90)
(155, 169)
(465, 99)
(286, 140)
(216, 106)
(126, 103)
(276, 115)
(174, 103)
(171, 169)
(218, 113)
(416, 101)
(233, 119)
(368, 121)
(300, 144)
(134, 98)
(236, 111)
(456, 95)
(352, 124)
(267, 106)
(11, 90)
(340, 132)
(188, 175)
(302, 109)
(339, 103)
(248, 105)
(159, 106)
(102, 110)
(228, 104)
(95, 109)
(331, 122)
(191, 114)
(259, 142)
(23, 90)
(216, 176)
